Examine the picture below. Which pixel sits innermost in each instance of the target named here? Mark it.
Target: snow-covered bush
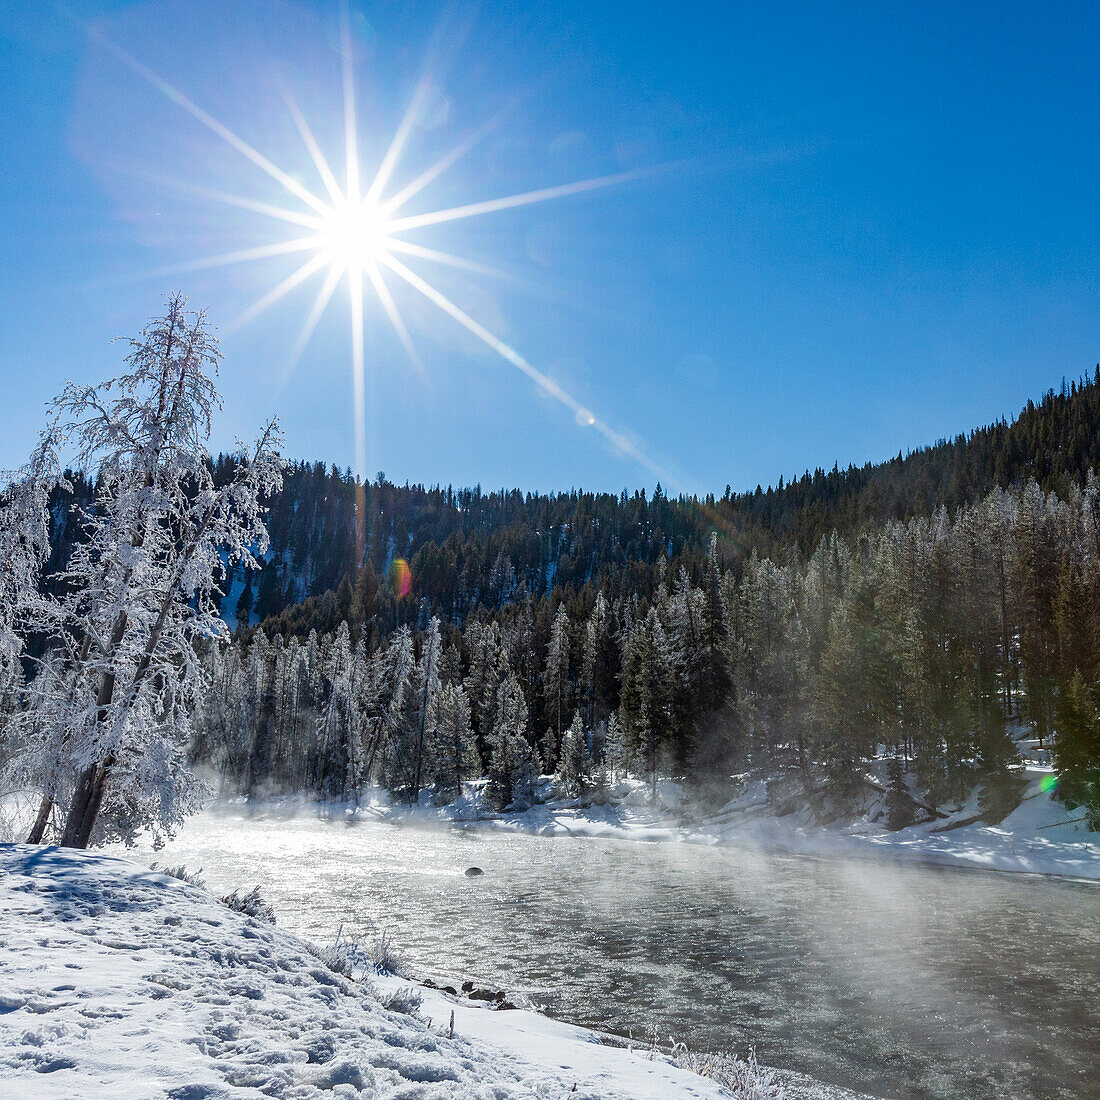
(339, 956)
(385, 956)
(252, 904)
(743, 1076)
(405, 999)
(192, 878)
(378, 955)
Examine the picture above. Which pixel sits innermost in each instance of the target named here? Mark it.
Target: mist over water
(899, 981)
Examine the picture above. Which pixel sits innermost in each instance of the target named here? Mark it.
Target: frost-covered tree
(599, 664)
(24, 551)
(337, 728)
(452, 752)
(428, 688)
(486, 670)
(555, 685)
(575, 761)
(646, 712)
(509, 725)
(524, 774)
(399, 721)
(614, 748)
(140, 589)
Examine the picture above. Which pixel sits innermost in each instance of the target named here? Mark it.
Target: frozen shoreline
(1039, 837)
(118, 976)
(121, 981)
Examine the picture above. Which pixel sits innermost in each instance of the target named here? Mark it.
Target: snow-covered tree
(338, 761)
(428, 688)
(486, 670)
(398, 750)
(524, 774)
(646, 712)
(555, 685)
(575, 761)
(24, 551)
(614, 748)
(121, 620)
(452, 752)
(509, 725)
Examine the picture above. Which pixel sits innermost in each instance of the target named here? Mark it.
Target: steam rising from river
(893, 980)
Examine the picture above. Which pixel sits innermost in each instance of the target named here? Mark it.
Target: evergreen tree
(646, 711)
(508, 727)
(428, 688)
(452, 751)
(899, 806)
(555, 685)
(524, 774)
(614, 748)
(575, 762)
(1077, 749)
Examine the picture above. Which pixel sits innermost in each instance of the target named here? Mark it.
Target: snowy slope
(1040, 836)
(581, 1055)
(117, 981)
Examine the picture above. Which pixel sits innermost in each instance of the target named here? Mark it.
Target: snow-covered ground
(119, 981)
(1040, 836)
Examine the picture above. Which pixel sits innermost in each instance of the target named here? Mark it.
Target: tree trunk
(78, 809)
(91, 788)
(85, 784)
(40, 822)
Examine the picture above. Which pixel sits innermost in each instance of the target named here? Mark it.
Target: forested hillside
(333, 541)
(916, 613)
(925, 642)
(795, 633)
(469, 548)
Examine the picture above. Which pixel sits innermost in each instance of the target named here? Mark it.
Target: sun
(357, 236)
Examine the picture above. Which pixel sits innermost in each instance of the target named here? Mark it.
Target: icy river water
(901, 981)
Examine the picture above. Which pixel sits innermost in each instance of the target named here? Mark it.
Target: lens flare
(1048, 783)
(400, 578)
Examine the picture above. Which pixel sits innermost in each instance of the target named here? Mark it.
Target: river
(896, 980)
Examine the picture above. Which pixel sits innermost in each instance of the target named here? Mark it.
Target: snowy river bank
(893, 979)
(119, 981)
(1041, 836)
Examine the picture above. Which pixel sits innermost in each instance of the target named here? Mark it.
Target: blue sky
(873, 224)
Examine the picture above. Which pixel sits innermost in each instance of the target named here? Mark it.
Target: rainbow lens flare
(400, 578)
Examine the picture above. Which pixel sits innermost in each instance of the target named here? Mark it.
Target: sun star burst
(355, 234)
